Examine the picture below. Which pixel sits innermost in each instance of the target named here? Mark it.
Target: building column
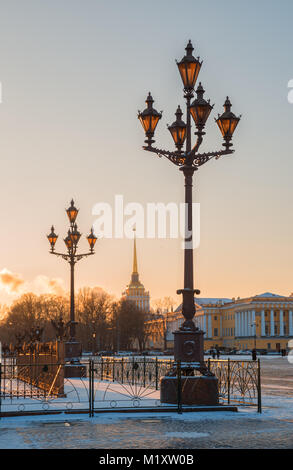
(250, 327)
(253, 326)
(236, 324)
(281, 323)
(272, 323)
(290, 323)
(242, 323)
(246, 324)
(263, 323)
(210, 326)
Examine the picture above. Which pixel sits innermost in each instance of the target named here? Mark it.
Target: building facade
(263, 321)
(135, 291)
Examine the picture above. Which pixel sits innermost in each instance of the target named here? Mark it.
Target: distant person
(218, 353)
(213, 353)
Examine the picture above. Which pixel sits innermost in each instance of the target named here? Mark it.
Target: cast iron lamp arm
(196, 159)
(72, 257)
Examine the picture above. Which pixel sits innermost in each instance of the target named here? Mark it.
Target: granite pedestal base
(73, 368)
(73, 350)
(195, 390)
(74, 371)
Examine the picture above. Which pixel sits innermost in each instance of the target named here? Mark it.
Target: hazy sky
(74, 73)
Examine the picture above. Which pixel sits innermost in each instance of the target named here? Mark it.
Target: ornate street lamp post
(188, 341)
(72, 348)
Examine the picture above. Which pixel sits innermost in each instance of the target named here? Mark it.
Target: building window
(215, 331)
(215, 318)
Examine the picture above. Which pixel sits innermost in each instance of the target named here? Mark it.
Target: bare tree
(94, 314)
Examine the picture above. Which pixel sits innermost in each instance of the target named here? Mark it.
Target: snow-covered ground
(245, 429)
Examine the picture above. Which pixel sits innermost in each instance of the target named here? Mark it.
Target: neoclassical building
(264, 320)
(135, 291)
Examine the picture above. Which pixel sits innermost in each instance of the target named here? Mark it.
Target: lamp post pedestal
(188, 346)
(73, 367)
(198, 385)
(73, 351)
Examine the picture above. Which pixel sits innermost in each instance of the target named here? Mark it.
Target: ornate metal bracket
(193, 158)
(72, 258)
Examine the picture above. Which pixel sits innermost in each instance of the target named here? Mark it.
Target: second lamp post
(72, 257)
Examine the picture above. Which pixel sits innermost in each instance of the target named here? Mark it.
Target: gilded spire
(134, 275)
(134, 270)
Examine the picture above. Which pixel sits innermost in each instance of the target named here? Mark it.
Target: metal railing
(239, 382)
(133, 380)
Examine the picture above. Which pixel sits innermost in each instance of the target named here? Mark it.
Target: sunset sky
(74, 75)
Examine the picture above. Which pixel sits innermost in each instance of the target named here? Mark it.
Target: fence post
(102, 368)
(259, 407)
(144, 371)
(0, 385)
(122, 369)
(157, 374)
(90, 388)
(179, 388)
(93, 387)
(132, 370)
(209, 364)
(228, 381)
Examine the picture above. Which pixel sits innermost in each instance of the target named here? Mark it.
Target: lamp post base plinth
(198, 385)
(73, 367)
(73, 350)
(72, 371)
(195, 390)
(188, 345)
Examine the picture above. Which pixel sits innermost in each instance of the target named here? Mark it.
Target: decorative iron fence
(135, 370)
(128, 382)
(239, 382)
(114, 383)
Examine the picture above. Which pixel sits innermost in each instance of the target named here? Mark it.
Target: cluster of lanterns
(200, 109)
(73, 234)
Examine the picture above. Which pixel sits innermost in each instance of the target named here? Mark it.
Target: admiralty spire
(135, 291)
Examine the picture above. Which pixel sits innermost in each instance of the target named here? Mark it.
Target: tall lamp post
(188, 341)
(72, 348)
